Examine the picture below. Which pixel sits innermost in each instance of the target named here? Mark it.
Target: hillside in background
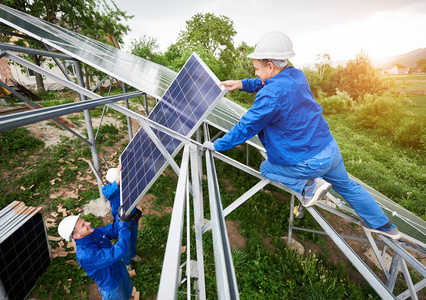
(408, 59)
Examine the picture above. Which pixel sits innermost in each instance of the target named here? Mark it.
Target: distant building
(395, 71)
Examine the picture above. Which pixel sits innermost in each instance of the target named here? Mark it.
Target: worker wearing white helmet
(102, 260)
(302, 153)
(112, 192)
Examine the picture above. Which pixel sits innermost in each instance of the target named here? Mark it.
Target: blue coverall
(112, 193)
(297, 139)
(102, 261)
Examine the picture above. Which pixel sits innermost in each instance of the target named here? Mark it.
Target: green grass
(419, 105)
(407, 82)
(392, 170)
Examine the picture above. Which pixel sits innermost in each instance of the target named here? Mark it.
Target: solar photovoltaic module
(24, 252)
(136, 71)
(183, 107)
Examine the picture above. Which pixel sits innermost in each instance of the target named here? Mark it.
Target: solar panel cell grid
(184, 105)
(24, 256)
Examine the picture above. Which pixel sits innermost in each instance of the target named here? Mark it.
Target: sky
(341, 28)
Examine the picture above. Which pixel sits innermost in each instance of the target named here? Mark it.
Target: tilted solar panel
(183, 107)
(136, 71)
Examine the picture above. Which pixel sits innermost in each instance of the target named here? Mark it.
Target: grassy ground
(265, 267)
(407, 82)
(419, 105)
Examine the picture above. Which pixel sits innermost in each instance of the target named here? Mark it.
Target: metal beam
(234, 205)
(28, 117)
(397, 247)
(170, 272)
(63, 70)
(33, 105)
(227, 287)
(79, 89)
(371, 278)
(197, 194)
(20, 49)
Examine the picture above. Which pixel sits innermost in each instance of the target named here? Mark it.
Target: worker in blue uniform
(102, 260)
(112, 193)
(302, 153)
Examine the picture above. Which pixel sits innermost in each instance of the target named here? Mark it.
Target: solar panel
(136, 71)
(24, 251)
(226, 114)
(183, 107)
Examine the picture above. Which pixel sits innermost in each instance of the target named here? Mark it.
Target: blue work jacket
(111, 191)
(100, 258)
(286, 118)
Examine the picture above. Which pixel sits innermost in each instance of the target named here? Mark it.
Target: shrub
(384, 113)
(338, 103)
(412, 133)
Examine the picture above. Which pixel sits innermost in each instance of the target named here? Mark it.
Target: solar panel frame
(184, 106)
(147, 76)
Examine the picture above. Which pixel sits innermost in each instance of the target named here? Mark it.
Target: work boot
(314, 192)
(137, 258)
(389, 230)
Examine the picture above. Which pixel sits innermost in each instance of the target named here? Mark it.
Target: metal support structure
(10, 121)
(374, 281)
(227, 287)
(197, 194)
(33, 105)
(290, 223)
(234, 205)
(58, 64)
(20, 49)
(126, 105)
(100, 83)
(169, 275)
(145, 101)
(89, 128)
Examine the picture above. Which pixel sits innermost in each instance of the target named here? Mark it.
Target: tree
(323, 65)
(399, 66)
(147, 48)
(325, 71)
(212, 36)
(93, 18)
(359, 78)
(421, 64)
(243, 68)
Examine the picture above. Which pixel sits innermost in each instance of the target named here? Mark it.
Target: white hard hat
(112, 175)
(273, 45)
(66, 227)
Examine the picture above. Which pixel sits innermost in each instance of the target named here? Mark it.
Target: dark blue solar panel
(184, 106)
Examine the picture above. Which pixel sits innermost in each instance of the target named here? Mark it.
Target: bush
(384, 113)
(338, 103)
(412, 133)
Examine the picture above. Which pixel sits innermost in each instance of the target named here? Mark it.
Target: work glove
(136, 216)
(208, 146)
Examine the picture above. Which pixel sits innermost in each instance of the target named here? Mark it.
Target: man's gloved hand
(136, 216)
(208, 145)
(123, 216)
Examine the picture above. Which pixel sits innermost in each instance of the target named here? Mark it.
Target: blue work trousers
(122, 292)
(329, 165)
